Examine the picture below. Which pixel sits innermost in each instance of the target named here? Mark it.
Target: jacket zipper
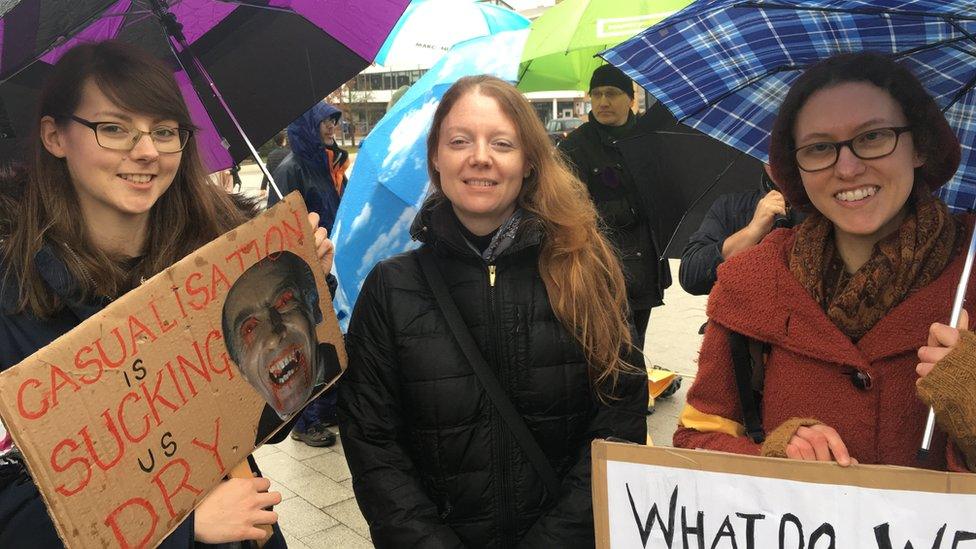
(509, 526)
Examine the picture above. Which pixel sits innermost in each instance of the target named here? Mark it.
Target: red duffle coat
(810, 362)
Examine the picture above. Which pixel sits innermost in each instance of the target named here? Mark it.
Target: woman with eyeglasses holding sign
(113, 192)
(839, 305)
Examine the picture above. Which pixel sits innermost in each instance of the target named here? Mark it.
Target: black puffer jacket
(615, 188)
(432, 463)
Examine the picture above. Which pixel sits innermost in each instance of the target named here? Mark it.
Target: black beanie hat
(608, 75)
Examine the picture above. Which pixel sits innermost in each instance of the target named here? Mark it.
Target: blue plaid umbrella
(724, 66)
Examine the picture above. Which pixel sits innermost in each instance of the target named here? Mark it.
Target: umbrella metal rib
(960, 94)
(740, 87)
(787, 68)
(61, 39)
(698, 198)
(856, 11)
(175, 32)
(950, 20)
(952, 43)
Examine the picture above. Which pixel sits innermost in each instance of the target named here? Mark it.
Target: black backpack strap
(742, 363)
(488, 380)
(758, 351)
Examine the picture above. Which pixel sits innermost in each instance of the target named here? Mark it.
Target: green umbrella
(559, 51)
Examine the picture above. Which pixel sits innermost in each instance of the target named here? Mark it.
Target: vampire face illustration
(269, 321)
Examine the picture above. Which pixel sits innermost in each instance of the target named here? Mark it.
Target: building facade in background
(366, 98)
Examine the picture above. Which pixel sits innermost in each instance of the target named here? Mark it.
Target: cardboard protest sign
(127, 421)
(646, 497)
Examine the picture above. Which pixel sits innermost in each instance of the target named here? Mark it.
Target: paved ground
(318, 508)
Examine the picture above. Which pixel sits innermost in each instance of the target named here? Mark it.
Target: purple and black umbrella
(246, 67)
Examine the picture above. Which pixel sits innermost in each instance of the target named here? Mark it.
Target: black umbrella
(687, 170)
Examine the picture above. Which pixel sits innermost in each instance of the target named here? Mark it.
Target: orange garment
(338, 170)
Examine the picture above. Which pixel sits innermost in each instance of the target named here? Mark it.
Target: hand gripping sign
(653, 498)
(127, 421)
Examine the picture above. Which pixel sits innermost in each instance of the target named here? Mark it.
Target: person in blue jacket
(734, 223)
(112, 192)
(316, 166)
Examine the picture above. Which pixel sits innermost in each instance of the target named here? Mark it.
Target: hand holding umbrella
(943, 338)
(941, 335)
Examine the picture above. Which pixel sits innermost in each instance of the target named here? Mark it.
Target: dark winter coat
(24, 521)
(313, 182)
(308, 168)
(701, 257)
(810, 366)
(729, 214)
(615, 190)
(433, 464)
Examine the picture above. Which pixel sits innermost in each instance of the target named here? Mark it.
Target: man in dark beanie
(592, 151)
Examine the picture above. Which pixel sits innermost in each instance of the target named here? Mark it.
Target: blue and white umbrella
(724, 66)
(389, 179)
(429, 28)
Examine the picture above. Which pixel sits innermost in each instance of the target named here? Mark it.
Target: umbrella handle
(923, 451)
(243, 470)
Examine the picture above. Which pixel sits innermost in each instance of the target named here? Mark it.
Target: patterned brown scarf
(906, 260)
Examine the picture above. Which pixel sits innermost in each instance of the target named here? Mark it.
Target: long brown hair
(189, 214)
(578, 266)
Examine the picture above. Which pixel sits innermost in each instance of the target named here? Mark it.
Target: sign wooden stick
(243, 470)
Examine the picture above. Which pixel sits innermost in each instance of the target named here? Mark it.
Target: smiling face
(272, 335)
(111, 185)
(863, 198)
(480, 162)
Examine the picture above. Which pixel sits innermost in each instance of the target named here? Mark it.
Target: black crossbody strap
(488, 380)
(744, 369)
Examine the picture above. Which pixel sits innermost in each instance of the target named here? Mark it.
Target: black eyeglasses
(119, 137)
(868, 145)
(610, 94)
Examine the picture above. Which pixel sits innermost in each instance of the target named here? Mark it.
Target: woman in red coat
(842, 302)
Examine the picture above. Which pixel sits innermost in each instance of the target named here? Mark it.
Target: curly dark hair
(933, 138)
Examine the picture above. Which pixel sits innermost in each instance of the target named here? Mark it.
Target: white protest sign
(668, 498)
